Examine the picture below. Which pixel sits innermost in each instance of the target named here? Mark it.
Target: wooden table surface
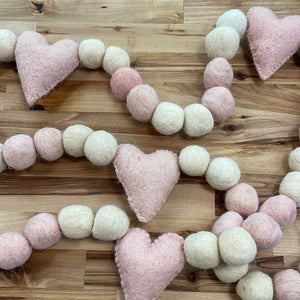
(165, 41)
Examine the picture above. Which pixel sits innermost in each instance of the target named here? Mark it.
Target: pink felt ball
(282, 209)
(42, 231)
(220, 102)
(141, 102)
(14, 250)
(123, 80)
(19, 152)
(218, 72)
(264, 230)
(48, 143)
(227, 220)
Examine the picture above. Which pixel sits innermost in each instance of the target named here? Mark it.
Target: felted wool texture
(42, 231)
(198, 120)
(74, 138)
(8, 42)
(229, 274)
(115, 58)
(220, 102)
(201, 250)
(146, 178)
(265, 230)
(14, 250)
(294, 160)
(3, 164)
(272, 41)
(227, 220)
(282, 209)
(40, 66)
(19, 152)
(168, 118)
(290, 186)
(110, 223)
(91, 53)
(76, 221)
(142, 100)
(147, 268)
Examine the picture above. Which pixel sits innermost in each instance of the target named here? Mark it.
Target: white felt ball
(290, 186)
(3, 164)
(168, 118)
(111, 223)
(201, 250)
(100, 148)
(223, 173)
(74, 138)
(91, 53)
(115, 58)
(230, 274)
(294, 160)
(194, 160)
(255, 286)
(76, 221)
(223, 41)
(198, 120)
(8, 42)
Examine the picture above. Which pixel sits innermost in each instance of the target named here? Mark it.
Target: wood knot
(239, 75)
(38, 6)
(117, 28)
(192, 277)
(37, 107)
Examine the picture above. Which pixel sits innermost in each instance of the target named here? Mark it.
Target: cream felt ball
(294, 160)
(229, 274)
(14, 250)
(76, 221)
(100, 148)
(19, 152)
(227, 220)
(223, 173)
(91, 53)
(42, 231)
(194, 160)
(142, 100)
(223, 41)
(115, 58)
(3, 164)
(198, 120)
(290, 186)
(168, 118)
(220, 102)
(110, 223)
(201, 250)
(8, 42)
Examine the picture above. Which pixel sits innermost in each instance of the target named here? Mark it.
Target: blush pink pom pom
(220, 102)
(123, 80)
(19, 152)
(227, 220)
(14, 250)
(42, 231)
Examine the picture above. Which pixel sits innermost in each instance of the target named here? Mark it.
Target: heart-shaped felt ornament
(40, 66)
(272, 41)
(146, 178)
(147, 268)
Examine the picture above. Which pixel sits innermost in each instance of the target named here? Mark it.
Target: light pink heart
(147, 268)
(272, 41)
(40, 66)
(147, 178)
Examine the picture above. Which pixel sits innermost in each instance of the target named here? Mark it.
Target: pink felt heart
(147, 178)
(272, 41)
(147, 268)
(40, 66)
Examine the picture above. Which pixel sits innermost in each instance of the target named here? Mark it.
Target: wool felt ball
(76, 221)
(110, 223)
(223, 41)
(168, 118)
(223, 173)
(227, 220)
(142, 100)
(220, 102)
(100, 148)
(201, 250)
(8, 42)
(115, 58)
(194, 160)
(91, 53)
(74, 138)
(256, 285)
(198, 120)
(236, 246)
(294, 160)
(3, 164)
(290, 186)
(218, 72)
(42, 231)
(265, 230)
(14, 250)
(19, 152)
(123, 80)
(242, 198)
(229, 274)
